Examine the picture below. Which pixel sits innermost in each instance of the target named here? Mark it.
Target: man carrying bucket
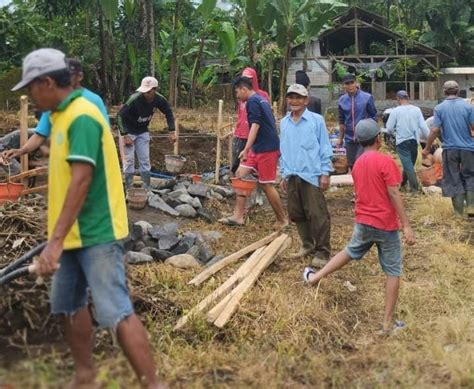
(133, 121)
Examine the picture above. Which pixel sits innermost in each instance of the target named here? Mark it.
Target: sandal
(397, 326)
(228, 221)
(307, 271)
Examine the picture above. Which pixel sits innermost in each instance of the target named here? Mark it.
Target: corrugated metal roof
(463, 70)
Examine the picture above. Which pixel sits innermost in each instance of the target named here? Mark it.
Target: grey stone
(145, 226)
(135, 258)
(209, 215)
(137, 233)
(171, 228)
(194, 251)
(214, 260)
(174, 195)
(215, 195)
(150, 242)
(184, 245)
(186, 210)
(183, 261)
(179, 185)
(157, 254)
(223, 190)
(168, 242)
(155, 201)
(212, 235)
(205, 253)
(162, 183)
(162, 192)
(128, 244)
(159, 231)
(190, 234)
(173, 203)
(139, 246)
(198, 190)
(192, 201)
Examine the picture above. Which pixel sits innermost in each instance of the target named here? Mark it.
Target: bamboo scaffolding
(24, 132)
(219, 141)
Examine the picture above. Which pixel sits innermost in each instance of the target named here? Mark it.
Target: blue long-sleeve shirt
(44, 126)
(305, 148)
(408, 123)
(353, 109)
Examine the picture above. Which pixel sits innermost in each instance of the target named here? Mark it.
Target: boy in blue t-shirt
(261, 153)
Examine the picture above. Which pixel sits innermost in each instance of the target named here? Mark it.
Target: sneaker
(307, 271)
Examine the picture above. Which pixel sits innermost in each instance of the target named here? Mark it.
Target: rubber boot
(146, 179)
(470, 204)
(128, 181)
(304, 231)
(458, 204)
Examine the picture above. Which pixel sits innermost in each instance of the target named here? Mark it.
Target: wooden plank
(422, 91)
(176, 141)
(412, 90)
(238, 276)
(203, 276)
(24, 131)
(283, 241)
(219, 142)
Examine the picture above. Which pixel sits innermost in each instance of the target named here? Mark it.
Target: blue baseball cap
(367, 129)
(403, 94)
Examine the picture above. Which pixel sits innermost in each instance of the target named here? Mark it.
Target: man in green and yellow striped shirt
(87, 219)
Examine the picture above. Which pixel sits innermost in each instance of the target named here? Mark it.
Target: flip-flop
(397, 326)
(230, 222)
(307, 271)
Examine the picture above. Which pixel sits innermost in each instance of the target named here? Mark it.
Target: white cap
(148, 83)
(39, 63)
(297, 89)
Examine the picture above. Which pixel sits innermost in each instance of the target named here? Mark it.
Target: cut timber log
(238, 276)
(249, 281)
(213, 314)
(201, 277)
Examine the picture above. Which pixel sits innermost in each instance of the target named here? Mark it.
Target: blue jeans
(99, 268)
(388, 246)
(408, 153)
(141, 145)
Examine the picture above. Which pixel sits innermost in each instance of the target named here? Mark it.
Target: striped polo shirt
(80, 133)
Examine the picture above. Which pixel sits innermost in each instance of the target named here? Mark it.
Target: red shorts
(265, 164)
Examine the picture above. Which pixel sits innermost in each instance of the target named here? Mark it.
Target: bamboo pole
(238, 276)
(214, 313)
(219, 141)
(250, 280)
(203, 276)
(176, 134)
(24, 131)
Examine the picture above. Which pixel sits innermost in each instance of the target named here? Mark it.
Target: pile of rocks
(148, 243)
(186, 199)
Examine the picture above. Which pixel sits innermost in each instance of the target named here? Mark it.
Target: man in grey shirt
(409, 126)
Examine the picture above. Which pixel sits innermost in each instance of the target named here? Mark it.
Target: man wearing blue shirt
(409, 126)
(305, 165)
(456, 118)
(43, 129)
(354, 105)
(260, 154)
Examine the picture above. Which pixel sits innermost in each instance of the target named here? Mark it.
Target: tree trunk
(251, 47)
(197, 63)
(284, 70)
(104, 56)
(150, 32)
(270, 84)
(173, 96)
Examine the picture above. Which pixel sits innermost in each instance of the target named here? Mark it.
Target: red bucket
(243, 187)
(10, 191)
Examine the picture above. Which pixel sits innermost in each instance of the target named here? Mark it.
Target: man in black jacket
(133, 120)
(314, 103)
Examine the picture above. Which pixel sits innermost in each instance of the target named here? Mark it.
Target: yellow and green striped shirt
(80, 133)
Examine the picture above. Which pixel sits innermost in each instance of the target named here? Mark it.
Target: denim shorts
(100, 269)
(388, 246)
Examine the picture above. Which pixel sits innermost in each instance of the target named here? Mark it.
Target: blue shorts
(388, 247)
(100, 269)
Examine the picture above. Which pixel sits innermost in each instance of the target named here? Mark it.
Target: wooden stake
(24, 131)
(214, 313)
(219, 140)
(201, 277)
(176, 133)
(249, 281)
(238, 276)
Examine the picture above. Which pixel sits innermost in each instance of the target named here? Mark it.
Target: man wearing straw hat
(87, 219)
(133, 121)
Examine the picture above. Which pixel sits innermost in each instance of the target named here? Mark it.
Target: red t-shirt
(242, 128)
(372, 173)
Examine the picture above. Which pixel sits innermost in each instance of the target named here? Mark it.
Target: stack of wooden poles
(231, 292)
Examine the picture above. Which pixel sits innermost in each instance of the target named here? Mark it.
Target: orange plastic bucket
(196, 178)
(427, 176)
(243, 187)
(10, 191)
